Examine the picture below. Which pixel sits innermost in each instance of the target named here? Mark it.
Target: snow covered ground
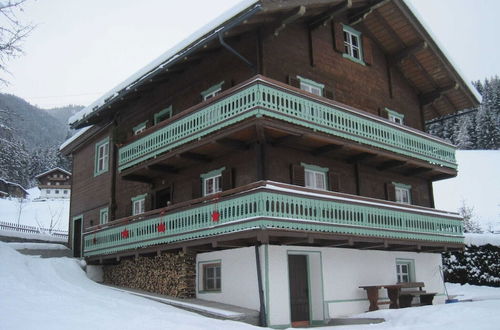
(55, 293)
(36, 212)
(477, 183)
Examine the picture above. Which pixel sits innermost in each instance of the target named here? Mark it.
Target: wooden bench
(400, 295)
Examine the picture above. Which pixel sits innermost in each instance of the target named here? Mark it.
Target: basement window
(163, 115)
(352, 44)
(315, 176)
(101, 157)
(395, 117)
(212, 277)
(403, 193)
(405, 270)
(139, 204)
(311, 86)
(212, 91)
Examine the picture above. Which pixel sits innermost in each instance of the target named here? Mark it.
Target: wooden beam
(431, 97)
(396, 58)
(335, 11)
(137, 178)
(196, 157)
(285, 139)
(290, 19)
(360, 157)
(232, 143)
(390, 164)
(325, 149)
(364, 12)
(441, 177)
(161, 168)
(417, 170)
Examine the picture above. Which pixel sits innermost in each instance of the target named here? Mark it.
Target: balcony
(263, 98)
(276, 213)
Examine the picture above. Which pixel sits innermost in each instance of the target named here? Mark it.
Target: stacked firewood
(171, 274)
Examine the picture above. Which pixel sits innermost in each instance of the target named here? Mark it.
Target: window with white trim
(140, 128)
(352, 43)
(101, 157)
(311, 86)
(395, 117)
(212, 185)
(403, 194)
(315, 179)
(103, 216)
(163, 115)
(139, 204)
(405, 270)
(212, 91)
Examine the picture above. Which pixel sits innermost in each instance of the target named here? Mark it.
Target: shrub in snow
(478, 265)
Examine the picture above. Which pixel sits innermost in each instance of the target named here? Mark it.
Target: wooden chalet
(11, 189)
(272, 156)
(54, 183)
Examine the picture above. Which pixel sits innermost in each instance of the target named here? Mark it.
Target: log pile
(172, 274)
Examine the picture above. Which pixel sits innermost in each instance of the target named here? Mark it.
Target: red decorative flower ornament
(215, 216)
(161, 227)
(125, 233)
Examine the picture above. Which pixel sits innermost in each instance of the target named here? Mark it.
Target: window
(140, 128)
(403, 193)
(352, 45)
(57, 191)
(405, 270)
(103, 216)
(395, 117)
(57, 183)
(311, 86)
(212, 182)
(138, 204)
(49, 183)
(212, 91)
(315, 176)
(65, 192)
(101, 157)
(48, 191)
(162, 115)
(212, 277)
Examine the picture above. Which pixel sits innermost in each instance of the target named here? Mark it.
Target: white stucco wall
(238, 277)
(335, 275)
(52, 193)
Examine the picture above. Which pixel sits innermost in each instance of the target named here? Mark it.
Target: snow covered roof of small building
(55, 169)
(450, 81)
(14, 184)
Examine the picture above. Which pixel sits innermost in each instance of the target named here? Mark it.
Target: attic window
(162, 115)
(395, 117)
(140, 128)
(352, 44)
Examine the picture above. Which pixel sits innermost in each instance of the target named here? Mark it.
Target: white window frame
(103, 216)
(139, 204)
(213, 283)
(405, 270)
(212, 91)
(315, 177)
(402, 193)
(350, 47)
(311, 86)
(395, 117)
(140, 128)
(215, 179)
(101, 157)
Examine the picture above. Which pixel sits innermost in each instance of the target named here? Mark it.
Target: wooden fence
(10, 226)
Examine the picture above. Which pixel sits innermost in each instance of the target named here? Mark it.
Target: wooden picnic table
(397, 297)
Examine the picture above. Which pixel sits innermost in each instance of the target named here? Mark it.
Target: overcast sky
(81, 49)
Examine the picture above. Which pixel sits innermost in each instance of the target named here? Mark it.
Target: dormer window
(352, 44)
(140, 128)
(212, 91)
(395, 117)
(311, 86)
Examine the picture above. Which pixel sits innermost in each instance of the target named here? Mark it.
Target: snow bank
(477, 183)
(55, 293)
(482, 239)
(36, 246)
(472, 292)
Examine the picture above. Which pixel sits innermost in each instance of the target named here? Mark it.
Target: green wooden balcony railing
(265, 207)
(263, 98)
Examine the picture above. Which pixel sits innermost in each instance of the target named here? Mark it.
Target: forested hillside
(476, 129)
(30, 139)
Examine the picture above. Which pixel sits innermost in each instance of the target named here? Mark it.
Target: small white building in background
(54, 183)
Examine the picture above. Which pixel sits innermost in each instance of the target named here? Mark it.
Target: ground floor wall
(171, 274)
(333, 274)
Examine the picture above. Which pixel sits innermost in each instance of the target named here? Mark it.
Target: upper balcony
(264, 99)
(274, 213)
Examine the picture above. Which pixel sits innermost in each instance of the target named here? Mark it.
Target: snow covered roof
(230, 18)
(52, 170)
(13, 184)
(163, 61)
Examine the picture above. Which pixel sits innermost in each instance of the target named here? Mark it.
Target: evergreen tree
(488, 130)
(463, 140)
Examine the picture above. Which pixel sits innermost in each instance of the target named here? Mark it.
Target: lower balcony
(274, 213)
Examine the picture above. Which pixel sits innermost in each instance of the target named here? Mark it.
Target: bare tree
(12, 33)
(470, 224)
